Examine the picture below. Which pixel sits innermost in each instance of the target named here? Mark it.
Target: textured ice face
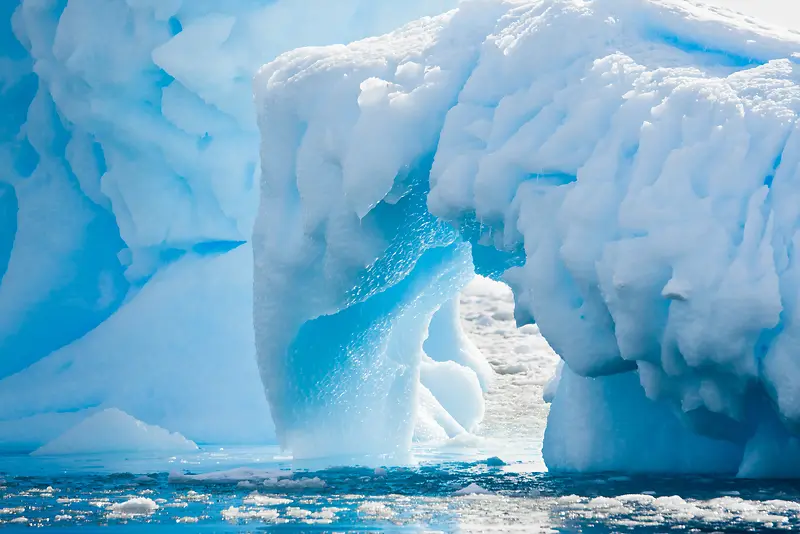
(128, 157)
(638, 178)
(629, 167)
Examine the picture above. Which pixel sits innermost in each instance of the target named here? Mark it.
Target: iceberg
(635, 185)
(199, 261)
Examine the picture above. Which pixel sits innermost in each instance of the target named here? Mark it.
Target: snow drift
(629, 167)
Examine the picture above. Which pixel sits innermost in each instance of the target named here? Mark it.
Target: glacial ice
(633, 183)
(128, 151)
(628, 167)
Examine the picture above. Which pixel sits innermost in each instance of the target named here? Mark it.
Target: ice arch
(635, 184)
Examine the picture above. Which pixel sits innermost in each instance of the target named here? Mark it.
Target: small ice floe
(231, 476)
(256, 499)
(234, 513)
(376, 510)
(137, 506)
(289, 484)
(473, 489)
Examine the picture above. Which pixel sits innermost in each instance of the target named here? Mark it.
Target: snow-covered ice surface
(587, 175)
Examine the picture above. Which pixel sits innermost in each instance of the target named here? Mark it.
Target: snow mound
(588, 176)
(114, 431)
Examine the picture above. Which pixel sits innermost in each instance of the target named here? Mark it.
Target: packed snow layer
(114, 431)
(588, 174)
(128, 152)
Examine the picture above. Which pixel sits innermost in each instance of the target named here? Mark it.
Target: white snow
(114, 431)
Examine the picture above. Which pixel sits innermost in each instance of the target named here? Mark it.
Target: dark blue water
(412, 499)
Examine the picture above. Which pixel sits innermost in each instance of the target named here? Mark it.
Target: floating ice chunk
(231, 476)
(257, 499)
(289, 484)
(297, 513)
(637, 498)
(234, 513)
(473, 489)
(133, 507)
(376, 510)
(111, 431)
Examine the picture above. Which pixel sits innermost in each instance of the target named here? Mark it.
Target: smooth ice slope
(128, 151)
(114, 431)
(638, 179)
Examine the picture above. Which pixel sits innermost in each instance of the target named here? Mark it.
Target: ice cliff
(128, 157)
(629, 167)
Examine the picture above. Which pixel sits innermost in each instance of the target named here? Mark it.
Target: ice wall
(629, 167)
(128, 152)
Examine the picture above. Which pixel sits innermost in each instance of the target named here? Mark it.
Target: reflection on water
(412, 499)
